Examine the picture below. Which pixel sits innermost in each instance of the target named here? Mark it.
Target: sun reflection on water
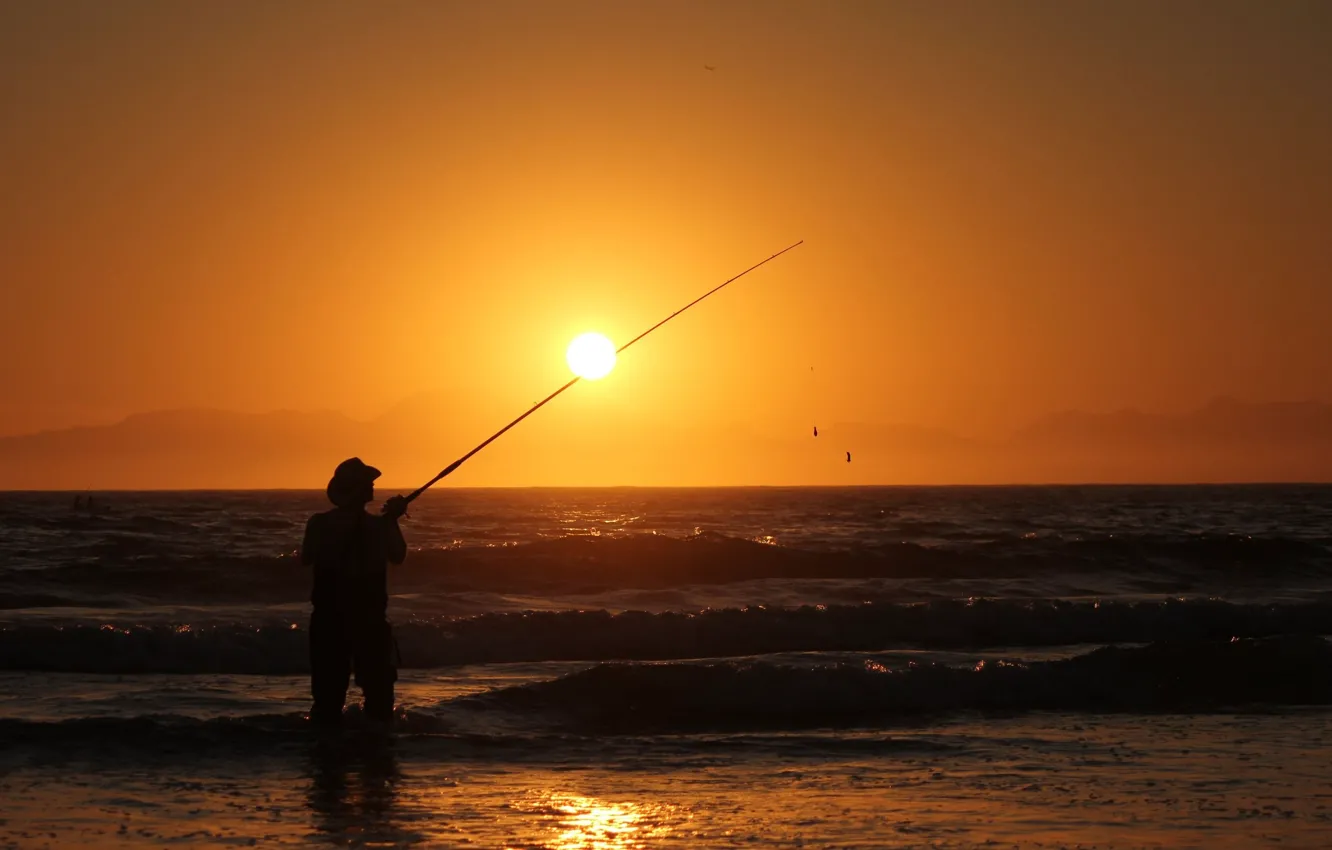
(575, 822)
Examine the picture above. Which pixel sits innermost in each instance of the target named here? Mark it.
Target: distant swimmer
(709, 67)
(848, 457)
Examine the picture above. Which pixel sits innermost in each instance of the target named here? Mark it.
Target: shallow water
(866, 667)
(1052, 780)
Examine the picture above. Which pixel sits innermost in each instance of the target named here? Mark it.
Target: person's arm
(394, 508)
(397, 546)
(308, 543)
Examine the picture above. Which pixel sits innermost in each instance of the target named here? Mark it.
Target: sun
(591, 356)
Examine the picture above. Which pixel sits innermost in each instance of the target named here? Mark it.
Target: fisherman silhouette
(350, 551)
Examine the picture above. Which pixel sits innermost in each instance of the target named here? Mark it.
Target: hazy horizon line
(952, 486)
(1109, 411)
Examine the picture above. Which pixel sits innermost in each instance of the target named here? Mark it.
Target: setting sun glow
(591, 356)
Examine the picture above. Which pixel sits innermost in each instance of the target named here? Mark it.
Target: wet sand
(1215, 781)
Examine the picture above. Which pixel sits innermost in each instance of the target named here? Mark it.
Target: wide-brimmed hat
(350, 482)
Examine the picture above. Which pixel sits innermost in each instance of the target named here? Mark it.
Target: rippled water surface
(1106, 666)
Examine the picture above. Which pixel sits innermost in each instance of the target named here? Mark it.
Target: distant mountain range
(1226, 440)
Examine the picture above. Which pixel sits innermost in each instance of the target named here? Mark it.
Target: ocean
(625, 668)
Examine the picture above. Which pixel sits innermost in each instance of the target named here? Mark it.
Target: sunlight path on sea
(1226, 781)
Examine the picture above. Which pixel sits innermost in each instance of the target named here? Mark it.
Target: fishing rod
(534, 408)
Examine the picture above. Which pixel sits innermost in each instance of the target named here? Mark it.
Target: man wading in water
(350, 551)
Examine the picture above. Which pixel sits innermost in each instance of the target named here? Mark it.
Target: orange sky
(1009, 208)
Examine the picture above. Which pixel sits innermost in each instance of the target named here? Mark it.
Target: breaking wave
(133, 569)
(756, 697)
(634, 635)
(1185, 676)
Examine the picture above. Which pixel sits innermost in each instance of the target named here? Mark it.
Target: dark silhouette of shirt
(350, 551)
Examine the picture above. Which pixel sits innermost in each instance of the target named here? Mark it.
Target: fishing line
(534, 408)
(814, 406)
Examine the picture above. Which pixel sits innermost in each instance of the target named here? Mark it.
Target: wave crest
(1191, 676)
(122, 569)
(532, 636)
(736, 696)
